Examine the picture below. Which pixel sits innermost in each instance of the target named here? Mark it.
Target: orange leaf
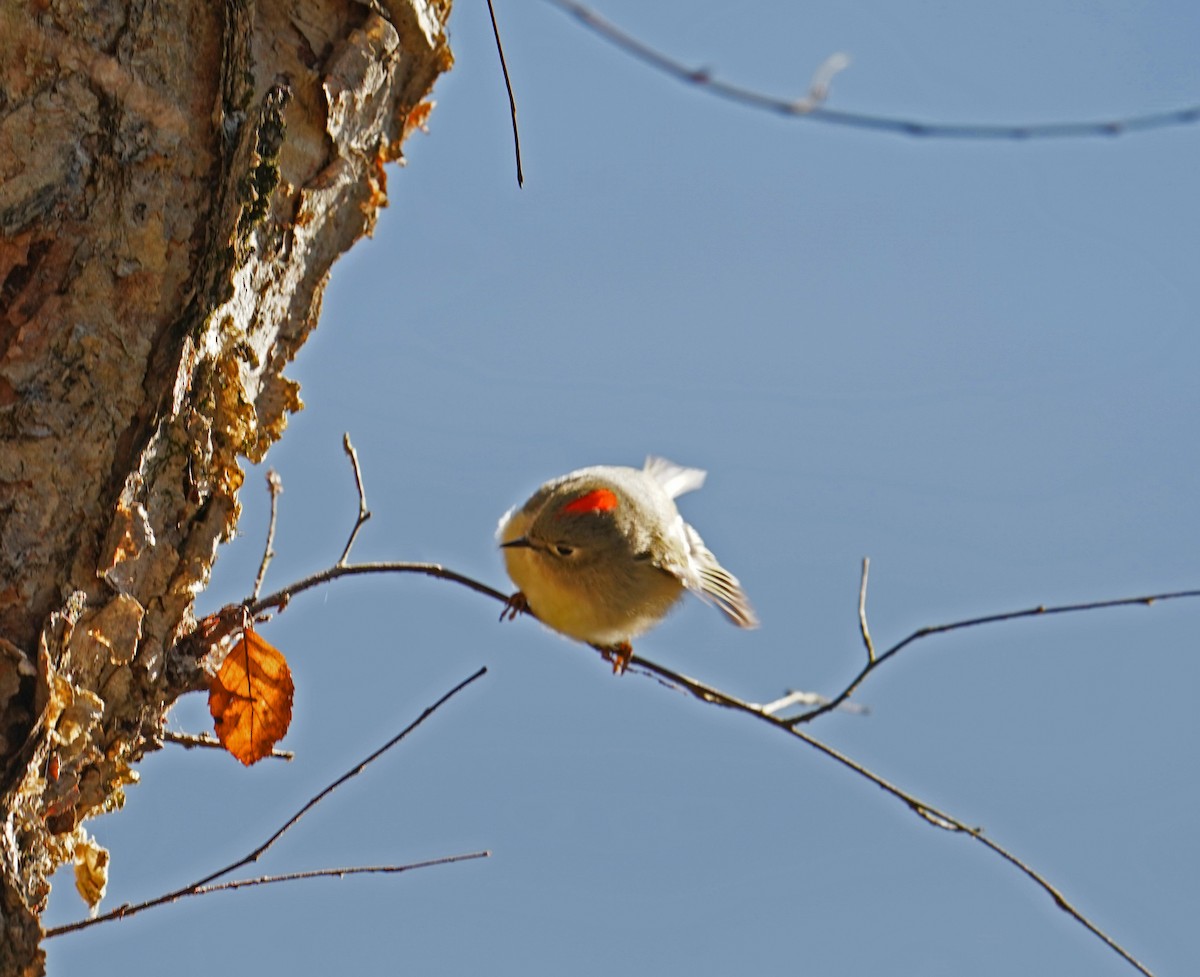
(251, 698)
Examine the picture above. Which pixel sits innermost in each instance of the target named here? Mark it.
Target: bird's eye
(562, 550)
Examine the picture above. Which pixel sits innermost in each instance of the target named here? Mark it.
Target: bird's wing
(675, 479)
(706, 578)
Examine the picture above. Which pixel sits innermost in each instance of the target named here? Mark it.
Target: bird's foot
(619, 654)
(514, 607)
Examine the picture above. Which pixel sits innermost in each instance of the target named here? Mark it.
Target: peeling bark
(176, 178)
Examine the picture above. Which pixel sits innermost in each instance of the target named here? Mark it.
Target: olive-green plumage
(602, 554)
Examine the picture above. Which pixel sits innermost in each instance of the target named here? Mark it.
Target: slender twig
(193, 741)
(363, 512)
(126, 910)
(1040, 611)
(862, 610)
(283, 595)
(512, 102)
(807, 108)
(337, 873)
(274, 487)
(927, 811)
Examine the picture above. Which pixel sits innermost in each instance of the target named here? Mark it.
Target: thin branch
(512, 102)
(933, 815)
(274, 486)
(321, 873)
(809, 108)
(363, 512)
(285, 594)
(337, 873)
(194, 741)
(1040, 611)
(126, 910)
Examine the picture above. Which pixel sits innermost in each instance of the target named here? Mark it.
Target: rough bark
(176, 178)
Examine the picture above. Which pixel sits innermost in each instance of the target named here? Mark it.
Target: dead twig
(512, 101)
(194, 741)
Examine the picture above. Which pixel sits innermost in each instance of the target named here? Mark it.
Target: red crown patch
(598, 500)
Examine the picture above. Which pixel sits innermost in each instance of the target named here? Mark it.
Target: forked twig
(1040, 611)
(205, 884)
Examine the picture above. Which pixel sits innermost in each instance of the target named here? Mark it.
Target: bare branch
(810, 107)
(274, 486)
(124, 911)
(363, 512)
(193, 741)
(322, 873)
(512, 101)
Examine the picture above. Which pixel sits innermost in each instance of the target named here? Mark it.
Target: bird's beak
(520, 541)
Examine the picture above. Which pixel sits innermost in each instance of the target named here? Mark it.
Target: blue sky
(975, 363)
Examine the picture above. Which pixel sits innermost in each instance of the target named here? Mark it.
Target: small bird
(602, 554)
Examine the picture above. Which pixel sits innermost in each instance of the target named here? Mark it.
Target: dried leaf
(91, 870)
(251, 698)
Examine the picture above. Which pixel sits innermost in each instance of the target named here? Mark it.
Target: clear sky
(975, 363)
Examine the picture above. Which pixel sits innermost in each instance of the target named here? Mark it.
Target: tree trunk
(176, 178)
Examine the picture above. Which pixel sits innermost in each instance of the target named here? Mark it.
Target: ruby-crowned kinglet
(602, 554)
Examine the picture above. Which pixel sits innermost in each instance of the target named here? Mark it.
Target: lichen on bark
(176, 179)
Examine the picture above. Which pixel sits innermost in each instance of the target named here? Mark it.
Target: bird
(602, 554)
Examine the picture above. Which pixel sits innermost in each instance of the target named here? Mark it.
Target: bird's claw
(619, 654)
(514, 607)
